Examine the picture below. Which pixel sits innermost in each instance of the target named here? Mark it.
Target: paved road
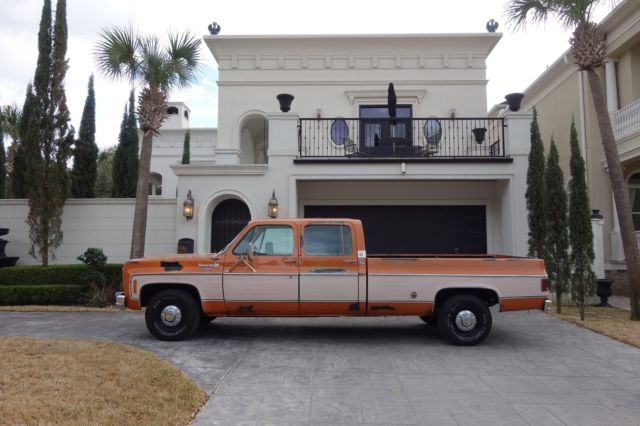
(533, 369)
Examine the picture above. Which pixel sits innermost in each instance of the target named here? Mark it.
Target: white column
(612, 85)
(597, 223)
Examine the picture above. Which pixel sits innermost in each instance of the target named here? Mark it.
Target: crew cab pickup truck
(320, 267)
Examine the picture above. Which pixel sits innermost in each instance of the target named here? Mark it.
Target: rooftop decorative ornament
(214, 28)
(492, 25)
(187, 207)
(272, 207)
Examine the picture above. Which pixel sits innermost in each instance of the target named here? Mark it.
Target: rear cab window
(327, 240)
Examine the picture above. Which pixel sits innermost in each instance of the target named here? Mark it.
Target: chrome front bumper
(120, 300)
(547, 306)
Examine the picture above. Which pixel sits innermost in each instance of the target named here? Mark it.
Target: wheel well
(150, 290)
(490, 297)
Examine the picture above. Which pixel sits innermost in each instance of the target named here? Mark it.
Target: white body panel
(261, 287)
(328, 287)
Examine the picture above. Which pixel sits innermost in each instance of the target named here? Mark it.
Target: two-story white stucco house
(443, 178)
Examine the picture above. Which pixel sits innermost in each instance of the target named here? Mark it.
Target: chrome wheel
(466, 321)
(171, 316)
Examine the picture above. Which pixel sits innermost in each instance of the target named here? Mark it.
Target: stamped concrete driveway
(533, 369)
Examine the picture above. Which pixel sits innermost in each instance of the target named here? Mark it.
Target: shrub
(93, 257)
(48, 294)
(55, 274)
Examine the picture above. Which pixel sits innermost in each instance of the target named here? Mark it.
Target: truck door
(261, 273)
(328, 270)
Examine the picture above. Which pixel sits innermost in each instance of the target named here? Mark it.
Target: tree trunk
(142, 199)
(558, 302)
(620, 192)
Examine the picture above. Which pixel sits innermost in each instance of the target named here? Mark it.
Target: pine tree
(125, 162)
(186, 148)
(48, 137)
(18, 175)
(580, 232)
(104, 180)
(9, 130)
(83, 175)
(535, 192)
(557, 236)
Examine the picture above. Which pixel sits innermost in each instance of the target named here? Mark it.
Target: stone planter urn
(4, 259)
(285, 100)
(478, 134)
(514, 100)
(604, 291)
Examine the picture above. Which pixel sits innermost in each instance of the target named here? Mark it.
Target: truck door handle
(290, 261)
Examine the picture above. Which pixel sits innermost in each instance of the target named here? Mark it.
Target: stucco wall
(103, 223)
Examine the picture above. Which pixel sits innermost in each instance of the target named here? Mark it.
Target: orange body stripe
(214, 307)
(522, 304)
(399, 308)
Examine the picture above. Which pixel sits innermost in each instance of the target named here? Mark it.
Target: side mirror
(249, 252)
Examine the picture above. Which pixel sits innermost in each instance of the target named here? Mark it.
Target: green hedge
(48, 294)
(54, 274)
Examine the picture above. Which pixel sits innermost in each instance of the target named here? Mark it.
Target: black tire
(430, 320)
(450, 309)
(184, 327)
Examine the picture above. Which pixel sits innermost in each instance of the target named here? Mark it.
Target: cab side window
(328, 240)
(268, 240)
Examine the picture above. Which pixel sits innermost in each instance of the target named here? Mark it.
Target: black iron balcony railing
(366, 138)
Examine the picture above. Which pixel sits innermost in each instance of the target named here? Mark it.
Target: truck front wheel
(464, 320)
(172, 315)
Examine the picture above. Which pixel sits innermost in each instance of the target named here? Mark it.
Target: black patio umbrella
(392, 103)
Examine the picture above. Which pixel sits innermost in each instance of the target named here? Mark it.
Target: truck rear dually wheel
(172, 315)
(464, 320)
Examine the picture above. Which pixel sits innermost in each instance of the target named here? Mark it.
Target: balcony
(409, 139)
(626, 122)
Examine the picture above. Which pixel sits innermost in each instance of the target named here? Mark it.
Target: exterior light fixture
(187, 207)
(272, 207)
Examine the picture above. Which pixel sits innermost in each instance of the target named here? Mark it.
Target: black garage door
(415, 229)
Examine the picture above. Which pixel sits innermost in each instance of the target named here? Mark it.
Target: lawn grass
(612, 322)
(54, 308)
(80, 382)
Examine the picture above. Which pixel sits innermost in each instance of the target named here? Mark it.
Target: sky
(518, 59)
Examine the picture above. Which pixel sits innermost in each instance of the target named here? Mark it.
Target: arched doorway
(228, 218)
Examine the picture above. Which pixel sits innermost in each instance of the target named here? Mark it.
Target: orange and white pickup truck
(320, 267)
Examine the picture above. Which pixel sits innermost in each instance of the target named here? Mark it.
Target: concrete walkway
(533, 369)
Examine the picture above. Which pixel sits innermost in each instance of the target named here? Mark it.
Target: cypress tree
(557, 236)
(535, 191)
(48, 137)
(186, 148)
(580, 232)
(3, 161)
(125, 162)
(84, 173)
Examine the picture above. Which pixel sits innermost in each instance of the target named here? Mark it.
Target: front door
(328, 270)
(267, 282)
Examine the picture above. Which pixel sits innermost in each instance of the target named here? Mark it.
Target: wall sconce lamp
(187, 207)
(272, 207)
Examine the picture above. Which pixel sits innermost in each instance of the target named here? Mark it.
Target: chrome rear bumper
(120, 300)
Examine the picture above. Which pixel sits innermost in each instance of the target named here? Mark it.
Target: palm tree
(588, 50)
(122, 53)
